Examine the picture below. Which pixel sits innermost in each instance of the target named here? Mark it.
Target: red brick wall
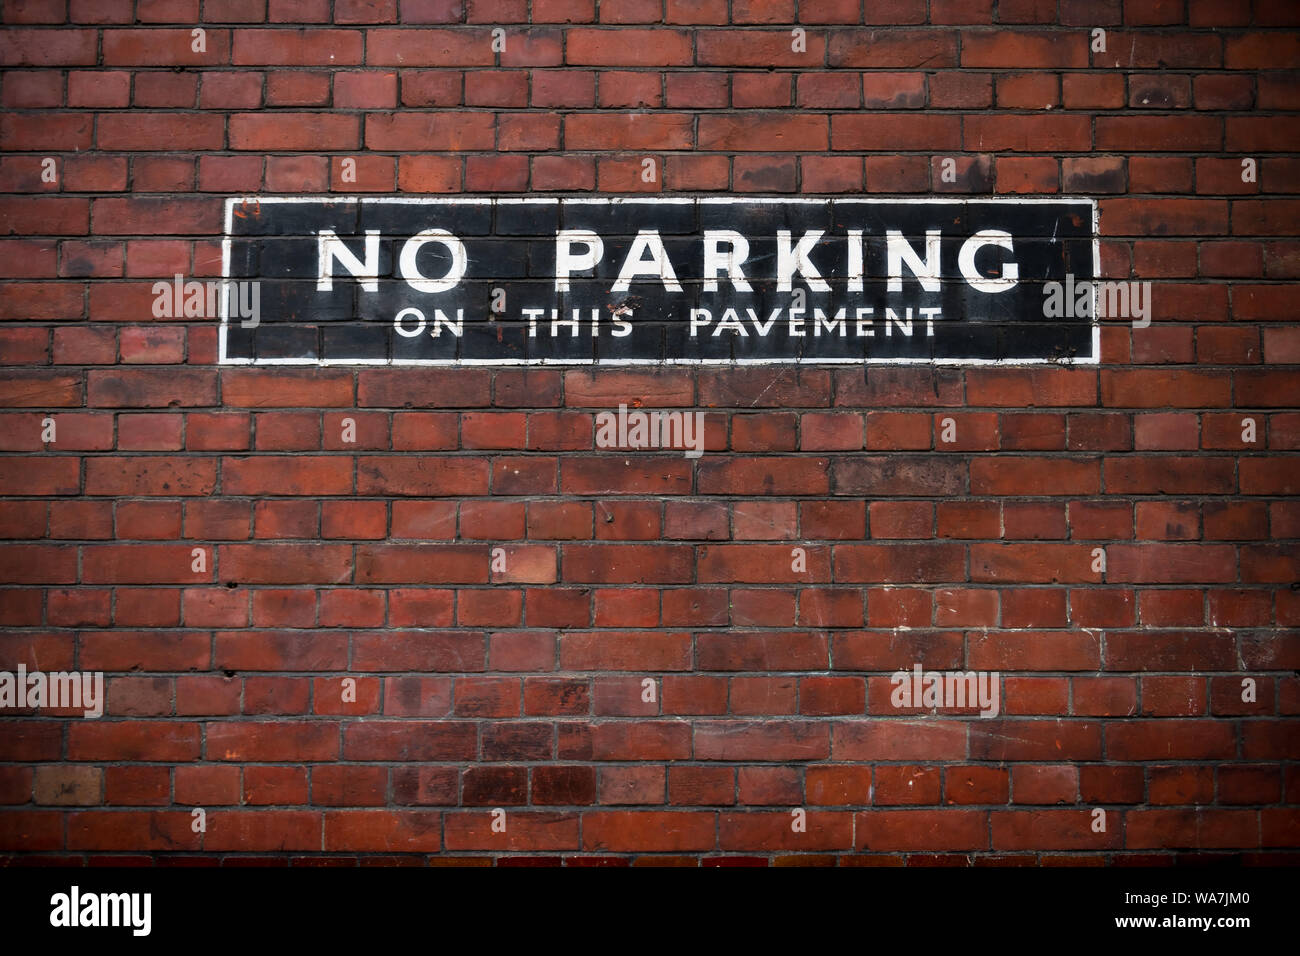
(522, 690)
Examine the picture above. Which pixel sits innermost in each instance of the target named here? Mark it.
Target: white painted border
(1093, 359)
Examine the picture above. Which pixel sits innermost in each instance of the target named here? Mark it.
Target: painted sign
(618, 281)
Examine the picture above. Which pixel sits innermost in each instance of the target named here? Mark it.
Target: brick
(369, 560)
(660, 47)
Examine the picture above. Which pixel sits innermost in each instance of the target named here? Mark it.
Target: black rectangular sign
(617, 281)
